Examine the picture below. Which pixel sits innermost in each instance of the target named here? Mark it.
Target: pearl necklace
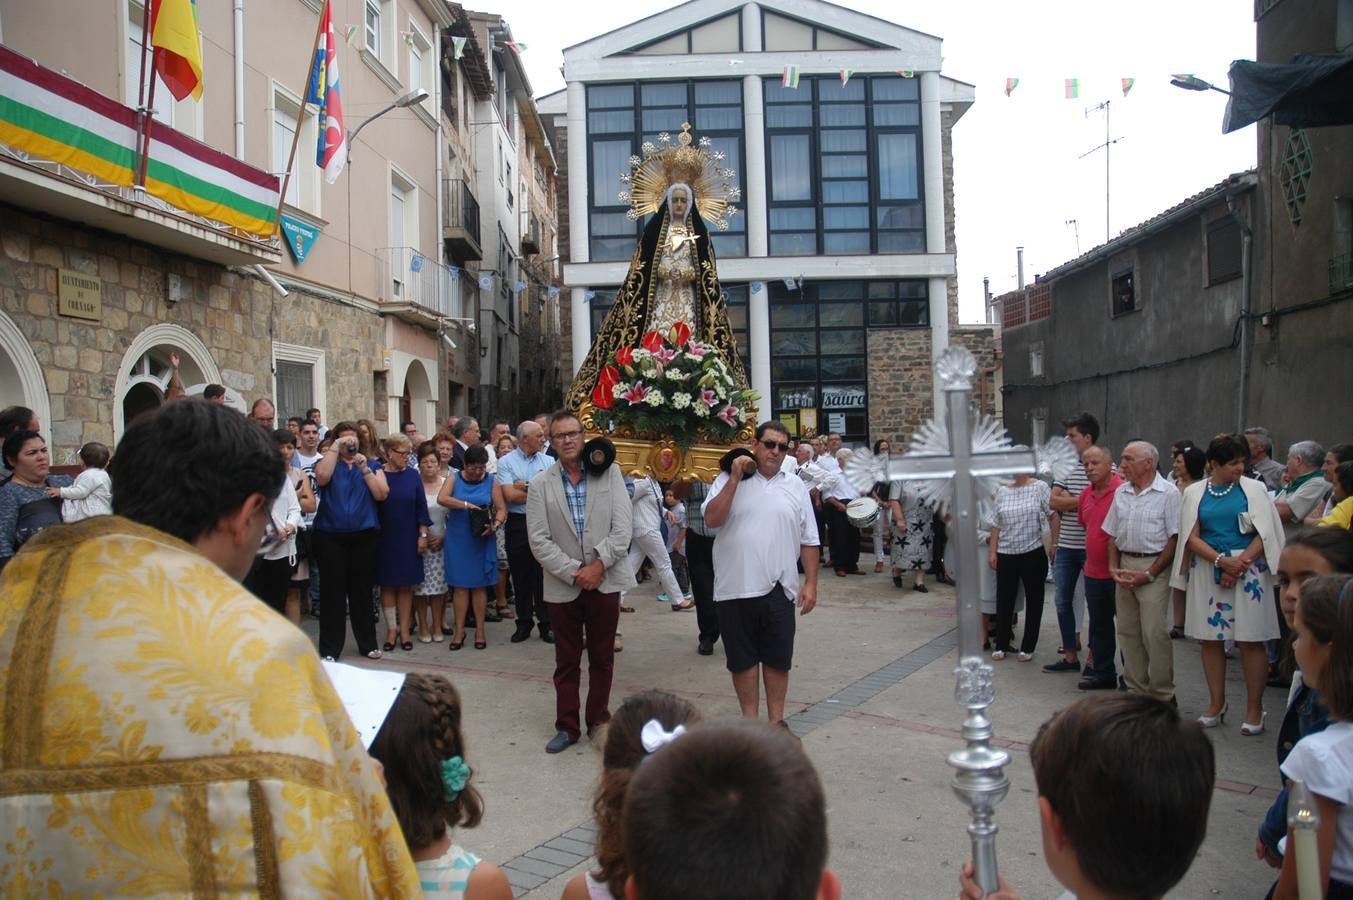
(1221, 493)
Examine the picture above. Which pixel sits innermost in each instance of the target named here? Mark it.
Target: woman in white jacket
(1233, 541)
(271, 576)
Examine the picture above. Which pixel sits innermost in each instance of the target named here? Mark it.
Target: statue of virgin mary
(672, 276)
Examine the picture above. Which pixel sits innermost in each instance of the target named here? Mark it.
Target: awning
(1311, 91)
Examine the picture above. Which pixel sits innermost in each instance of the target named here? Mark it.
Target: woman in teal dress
(471, 560)
(1231, 531)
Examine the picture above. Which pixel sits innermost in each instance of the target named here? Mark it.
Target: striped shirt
(1072, 533)
(576, 494)
(447, 876)
(695, 512)
(1019, 515)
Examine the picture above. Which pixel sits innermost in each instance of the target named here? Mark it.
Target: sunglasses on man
(776, 445)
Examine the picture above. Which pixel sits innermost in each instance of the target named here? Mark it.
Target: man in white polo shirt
(766, 527)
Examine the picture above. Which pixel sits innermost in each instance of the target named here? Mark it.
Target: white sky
(1017, 175)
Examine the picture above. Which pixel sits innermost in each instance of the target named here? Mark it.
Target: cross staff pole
(980, 780)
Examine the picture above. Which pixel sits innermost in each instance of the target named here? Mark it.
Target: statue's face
(681, 204)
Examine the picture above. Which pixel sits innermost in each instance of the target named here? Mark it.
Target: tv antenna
(1108, 142)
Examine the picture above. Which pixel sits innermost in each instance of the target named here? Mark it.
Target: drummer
(844, 537)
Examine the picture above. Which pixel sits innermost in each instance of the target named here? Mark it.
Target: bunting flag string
(552, 292)
(790, 78)
(589, 295)
(1127, 84)
(517, 47)
(457, 46)
(349, 32)
(1073, 88)
(845, 76)
(518, 286)
(407, 36)
(455, 274)
(907, 73)
(757, 286)
(1010, 85)
(486, 281)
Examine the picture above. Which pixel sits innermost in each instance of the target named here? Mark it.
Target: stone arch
(144, 372)
(418, 395)
(21, 379)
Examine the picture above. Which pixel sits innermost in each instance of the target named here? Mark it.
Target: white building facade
(840, 265)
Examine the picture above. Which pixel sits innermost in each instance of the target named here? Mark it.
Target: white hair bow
(654, 735)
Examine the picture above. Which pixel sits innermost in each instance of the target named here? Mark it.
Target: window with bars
(844, 166)
(621, 117)
(295, 389)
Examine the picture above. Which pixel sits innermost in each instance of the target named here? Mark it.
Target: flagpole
(142, 112)
(149, 118)
(300, 116)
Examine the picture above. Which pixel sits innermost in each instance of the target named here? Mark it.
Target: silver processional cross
(960, 466)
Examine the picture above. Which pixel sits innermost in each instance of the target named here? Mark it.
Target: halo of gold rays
(678, 162)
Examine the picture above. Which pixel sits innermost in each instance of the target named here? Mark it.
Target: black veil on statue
(624, 324)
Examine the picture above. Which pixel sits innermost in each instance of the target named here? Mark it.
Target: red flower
(624, 356)
(652, 342)
(602, 395)
(680, 334)
(610, 376)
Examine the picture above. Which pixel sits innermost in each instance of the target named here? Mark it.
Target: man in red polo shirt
(1095, 501)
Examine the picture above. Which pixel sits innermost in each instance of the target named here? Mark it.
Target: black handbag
(480, 520)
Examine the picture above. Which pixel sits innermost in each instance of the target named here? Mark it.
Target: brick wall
(899, 382)
(229, 313)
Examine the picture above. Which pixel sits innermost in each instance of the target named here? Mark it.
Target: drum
(862, 511)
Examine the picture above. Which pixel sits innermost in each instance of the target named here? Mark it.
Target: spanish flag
(178, 47)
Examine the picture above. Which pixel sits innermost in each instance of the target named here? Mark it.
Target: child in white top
(92, 493)
(1324, 760)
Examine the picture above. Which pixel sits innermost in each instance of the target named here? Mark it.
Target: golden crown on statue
(672, 162)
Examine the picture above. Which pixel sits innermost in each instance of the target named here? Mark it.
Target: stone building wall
(900, 382)
(229, 314)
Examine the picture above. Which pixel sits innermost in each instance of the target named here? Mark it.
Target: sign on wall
(79, 295)
(300, 237)
(835, 396)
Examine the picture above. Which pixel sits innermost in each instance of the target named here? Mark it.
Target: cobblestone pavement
(871, 694)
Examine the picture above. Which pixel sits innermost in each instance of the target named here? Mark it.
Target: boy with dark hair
(1124, 787)
(214, 393)
(749, 808)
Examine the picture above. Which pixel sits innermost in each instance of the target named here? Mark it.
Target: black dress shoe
(560, 742)
(706, 648)
(547, 635)
(897, 581)
(492, 616)
(1062, 665)
(920, 589)
(520, 634)
(1097, 684)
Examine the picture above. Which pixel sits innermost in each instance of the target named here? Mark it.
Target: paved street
(872, 697)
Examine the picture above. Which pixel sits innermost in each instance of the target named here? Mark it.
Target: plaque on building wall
(300, 237)
(79, 295)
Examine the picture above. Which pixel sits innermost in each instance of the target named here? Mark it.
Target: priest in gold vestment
(164, 733)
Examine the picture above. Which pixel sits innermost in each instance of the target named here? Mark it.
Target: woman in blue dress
(471, 559)
(404, 536)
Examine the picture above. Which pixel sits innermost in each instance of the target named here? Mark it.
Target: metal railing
(411, 277)
(1341, 273)
(462, 209)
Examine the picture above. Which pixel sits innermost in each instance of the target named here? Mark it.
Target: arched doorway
(21, 381)
(145, 372)
(416, 402)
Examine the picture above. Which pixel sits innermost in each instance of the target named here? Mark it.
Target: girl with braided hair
(421, 747)
(644, 724)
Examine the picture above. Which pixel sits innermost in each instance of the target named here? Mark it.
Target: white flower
(675, 375)
(654, 398)
(621, 388)
(681, 401)
(641, 353)
(635, 160)
(701, 411)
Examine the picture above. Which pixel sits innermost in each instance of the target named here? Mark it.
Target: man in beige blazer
(579, 525)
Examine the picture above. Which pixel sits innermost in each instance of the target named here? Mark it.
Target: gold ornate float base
(663, 458)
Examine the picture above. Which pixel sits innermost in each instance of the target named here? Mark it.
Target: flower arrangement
(671, 386)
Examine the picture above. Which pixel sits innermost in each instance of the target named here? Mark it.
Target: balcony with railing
(418, 285)
(530, 240)
(1341, 273)
(461, 228)
(71, 152)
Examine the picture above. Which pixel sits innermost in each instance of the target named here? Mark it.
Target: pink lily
(635, 394)
(709, 398)
(729, 415)
(697, 349)
(665, 355)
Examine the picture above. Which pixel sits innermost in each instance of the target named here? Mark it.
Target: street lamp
(409, 99)
(1194, 83)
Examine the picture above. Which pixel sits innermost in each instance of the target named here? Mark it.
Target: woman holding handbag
(25, 507)
(477, 511)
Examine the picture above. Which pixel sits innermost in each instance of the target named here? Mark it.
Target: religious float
(663, 380)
